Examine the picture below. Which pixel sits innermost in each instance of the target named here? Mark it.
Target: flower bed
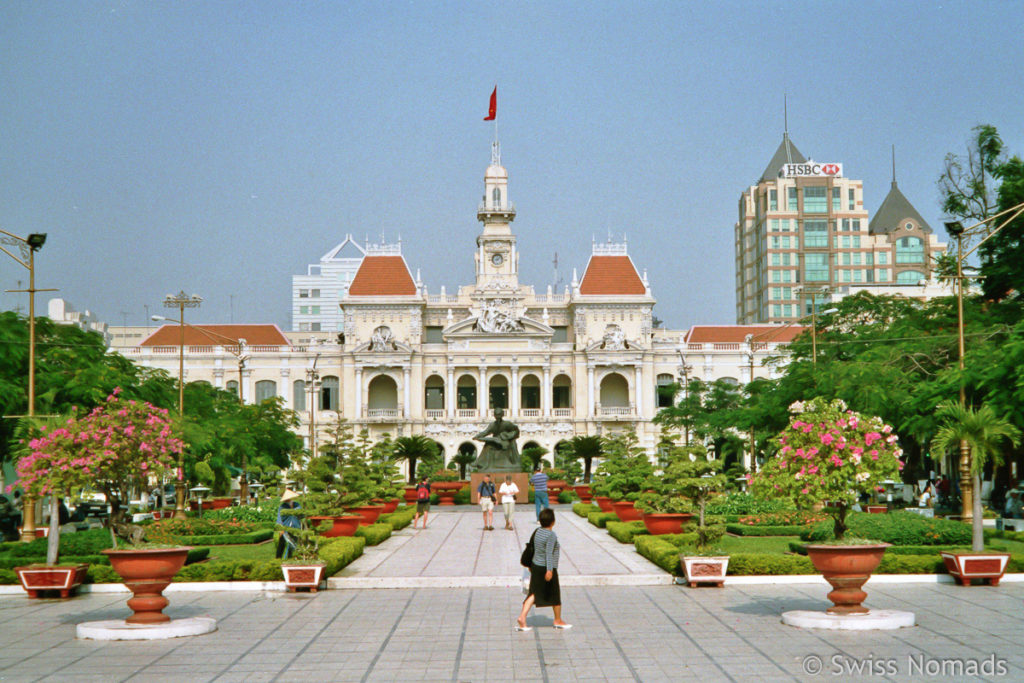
(265, 511)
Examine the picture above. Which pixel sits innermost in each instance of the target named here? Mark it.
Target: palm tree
(983, 432)
(463, 459)
(585, 448)
(413, 449)
(534, 454)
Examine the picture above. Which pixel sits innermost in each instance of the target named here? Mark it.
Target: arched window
(382, 394)
(298, 395)
(232, 386)
(529, 393)
(499, 392)
(265, 388)
(614, 391)
(329, 392)
(465, 394)
(496, 197)
(433, 393)
(909, 250)
(665, 396)
(909, 277)
(561, 393)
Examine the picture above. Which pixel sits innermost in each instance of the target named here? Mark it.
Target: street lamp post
(28, 246)
(958, 232)
(814, 332)
(313, 379)
(181, 301)
(685, 369)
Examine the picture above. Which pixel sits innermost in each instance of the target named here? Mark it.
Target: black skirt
(545, 593)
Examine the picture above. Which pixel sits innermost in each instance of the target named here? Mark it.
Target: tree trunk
(840, 522)
(977, 533)
(586, 470)
(412, 470)
(53, 541)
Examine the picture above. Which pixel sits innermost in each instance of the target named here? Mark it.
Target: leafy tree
(1002, 255)
(585, 448)
(532, 455)
(463, 459)
(967, 183)
(413, 449)
(984, 432)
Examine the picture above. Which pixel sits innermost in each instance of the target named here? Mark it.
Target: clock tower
(497, 260)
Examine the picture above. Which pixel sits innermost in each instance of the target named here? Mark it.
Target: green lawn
(756, 544)
(260, 551)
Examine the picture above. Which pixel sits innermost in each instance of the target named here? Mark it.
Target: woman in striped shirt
(544, 589)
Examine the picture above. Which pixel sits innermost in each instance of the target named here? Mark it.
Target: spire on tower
(894, 164)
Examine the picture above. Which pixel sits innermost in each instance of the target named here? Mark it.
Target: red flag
(492, 111)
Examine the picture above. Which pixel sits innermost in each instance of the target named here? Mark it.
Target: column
(246, 393)
(481, 392)
(406, 409)
(545, 392)
(359, 394)
(449, 393)
(513, 391)
(285, 390)
(639, 390)
(218, 378)
(590, 391)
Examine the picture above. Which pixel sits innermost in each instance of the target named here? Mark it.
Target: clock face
(497, 259)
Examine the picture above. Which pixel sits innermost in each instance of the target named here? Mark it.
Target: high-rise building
(317, 294)
(803, 231)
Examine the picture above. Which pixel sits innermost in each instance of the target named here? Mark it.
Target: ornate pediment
(383, 341)
(470, 328)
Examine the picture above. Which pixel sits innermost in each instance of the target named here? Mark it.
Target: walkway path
(454, 550)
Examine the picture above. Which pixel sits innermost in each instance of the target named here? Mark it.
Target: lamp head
(954, 228)
(36, 240)
(829, 311)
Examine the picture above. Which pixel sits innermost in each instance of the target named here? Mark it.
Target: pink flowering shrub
(120, 446)
(830, 455)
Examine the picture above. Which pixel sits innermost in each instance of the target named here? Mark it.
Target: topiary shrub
(600, 519)
(584, 509)
(462, 496)
(659, 551)
(624, 532)
(765, 564)
(400, 518)
(375, 534)
(567, 496)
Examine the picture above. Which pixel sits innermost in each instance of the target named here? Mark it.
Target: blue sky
(220, 147)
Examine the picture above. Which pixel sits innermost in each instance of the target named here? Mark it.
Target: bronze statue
(500, 453)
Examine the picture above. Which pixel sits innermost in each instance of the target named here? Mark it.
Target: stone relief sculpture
(498, 317)
(614, 339)
(382, 339)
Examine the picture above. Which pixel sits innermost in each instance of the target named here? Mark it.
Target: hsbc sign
(812, 169)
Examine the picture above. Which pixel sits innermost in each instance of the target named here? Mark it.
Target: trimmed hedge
(227, 539)
(623, 532)
(746, 530)
(584, 509)
(567, 496)
(375, 534)
(341, 552)
(660, 552)
(599, 519)
(764, 564)
(337, 553)
(400, 518)
(898, 528)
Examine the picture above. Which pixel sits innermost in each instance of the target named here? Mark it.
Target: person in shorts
(487, 496)
(422, 502)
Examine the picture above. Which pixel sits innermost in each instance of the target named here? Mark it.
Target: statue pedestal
(520, 479)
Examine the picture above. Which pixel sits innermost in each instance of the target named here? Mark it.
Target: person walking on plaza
(544, 589)
(422, 502)
(487, 495)
(285, 543)
(508, 493)
(539, 481)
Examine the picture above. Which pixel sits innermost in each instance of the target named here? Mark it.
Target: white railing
(615, 410)
(484, 208)
(530, 412)
(561, 412)
(382, 412)
(443, 298)
(434, 414)
(466, 412)
(609, 248)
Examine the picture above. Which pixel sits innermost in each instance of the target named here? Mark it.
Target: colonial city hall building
(585, 360)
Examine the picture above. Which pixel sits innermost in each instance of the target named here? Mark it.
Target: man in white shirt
(508, 493)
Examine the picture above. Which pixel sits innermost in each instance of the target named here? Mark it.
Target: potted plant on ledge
(693, 475)
(831, 456)
(624, 474)
(304, 569)
(445, 483)
(983, 433)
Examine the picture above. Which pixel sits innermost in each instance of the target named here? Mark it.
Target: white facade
(63, 313)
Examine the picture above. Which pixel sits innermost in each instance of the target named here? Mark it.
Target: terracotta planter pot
(877, 509)
(705, 570)
(147, 572)
(368, 513)
(302, 576)
(221, 503)
(193, 505)
(967, 566)
(390, 506)
(410, 495)
(658, 523)
(604, 502)
(846, 568)
(626, 511)
(37, 578)
(583, 491)
(446, 490)
(555, 486)
(341, 525)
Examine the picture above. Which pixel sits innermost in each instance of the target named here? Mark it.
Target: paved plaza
(655, 632)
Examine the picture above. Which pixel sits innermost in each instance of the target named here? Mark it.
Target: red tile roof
(722, 334)
(611, 275)
(216, 335)
(382, 276)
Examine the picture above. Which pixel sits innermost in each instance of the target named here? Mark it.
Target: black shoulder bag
(526, 559)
